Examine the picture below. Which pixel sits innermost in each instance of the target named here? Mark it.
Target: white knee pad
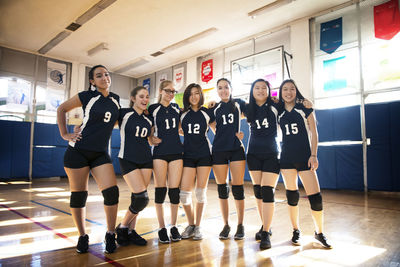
(186, 197)
(201, 195)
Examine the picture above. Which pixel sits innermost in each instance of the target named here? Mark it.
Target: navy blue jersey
(263, 130)
(166, 127)
(195, 126)
(99, 116)
(296, 146)
(227, 125)
(134, 130)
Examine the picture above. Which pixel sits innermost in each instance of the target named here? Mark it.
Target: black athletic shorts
(75, 158)
(223, 157)
(168, 158)
(128, 166)
(302, 166)
(197, 162)
(265, 162)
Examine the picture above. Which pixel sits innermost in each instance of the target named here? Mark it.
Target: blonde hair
(163, 84)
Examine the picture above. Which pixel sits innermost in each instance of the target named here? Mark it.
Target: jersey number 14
(264, 122)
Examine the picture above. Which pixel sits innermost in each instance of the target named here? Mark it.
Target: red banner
(207, 70)
(387, 20)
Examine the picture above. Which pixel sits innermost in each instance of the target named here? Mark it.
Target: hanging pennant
(331, 35)
(146, 84)
(207, 71)
(387, 20)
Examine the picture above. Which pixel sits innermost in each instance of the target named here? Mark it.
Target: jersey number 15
(292, 130)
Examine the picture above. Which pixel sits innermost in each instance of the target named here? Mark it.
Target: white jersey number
(107, 116)
(196, 128)
(167, 123)
(264, 122)
(293, 129)
(143, 133)
(230, 119)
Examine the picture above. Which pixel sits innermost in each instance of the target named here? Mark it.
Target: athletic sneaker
(321, 239)
(163, 236)
(189, 232)
(110, 243)
(175, 235)
(197, 234)
(239, 235)
(122, 235)
(136, 239)
(258, 234)
(225, 232)
(83, 244)
(296, 237)
(265, 242)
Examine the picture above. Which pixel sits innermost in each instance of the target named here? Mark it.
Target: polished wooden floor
(36, 229)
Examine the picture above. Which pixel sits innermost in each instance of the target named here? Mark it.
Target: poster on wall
(207, 71)
(334, 74)
(178, 78)
(331, 35)
(387, 20)
(53, 99)
(56, 75)
(146, 84)
(163, 77)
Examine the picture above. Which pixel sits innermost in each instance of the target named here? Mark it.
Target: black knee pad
(139, 201)
(267, 194)
(238, 192)
(160, 194)
(173, 194)
(293, 197)
(315, 201)
(223, 191)
(78, 199)
(111, 195)
(257, 191)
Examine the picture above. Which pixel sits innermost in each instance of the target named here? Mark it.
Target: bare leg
(221, 177)
(268, 208)
(290, 179)
(237, 173)
(174, 180)
(160, 180)
(203, 173)
(188, 177)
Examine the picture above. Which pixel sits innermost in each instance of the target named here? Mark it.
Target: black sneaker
(239, 235)
(258, 234)
(321, 239)
(225, 232)
(83, 244)
(175, 235)
(110, 243)
(136, 239)
(122, 235)
(265, 242)
(163, 236)
(296, 237)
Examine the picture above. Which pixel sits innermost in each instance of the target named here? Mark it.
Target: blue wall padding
(115, 139)
(48, 162)
(325, 125)
(49, 135)
(349, 167)
(379, 167)
(395, 143)
(327, 167)
(6, 143)
(115, 161)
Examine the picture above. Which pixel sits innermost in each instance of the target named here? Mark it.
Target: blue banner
(146, 84)
(331, 35)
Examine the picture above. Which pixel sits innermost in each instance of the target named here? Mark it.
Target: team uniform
(296, 147)
(166, 127)
(262, 149)
(197, 146)
(100, 115)
(227, 146)
(135, 152)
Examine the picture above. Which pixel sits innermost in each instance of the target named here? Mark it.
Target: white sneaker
(189, 232)
(197, 234)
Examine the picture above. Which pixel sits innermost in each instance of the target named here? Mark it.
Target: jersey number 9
(107, 116)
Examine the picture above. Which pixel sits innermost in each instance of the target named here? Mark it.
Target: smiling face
(101, 78)
(194, 98)
(289, 92)
(224, 90)
(167, 93)
(260, 91)
(141, 99)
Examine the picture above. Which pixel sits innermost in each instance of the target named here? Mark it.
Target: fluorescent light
(93, 11)
(134, 64)
(53, 42)
(97, 49)
(267, 8)
(189, 40)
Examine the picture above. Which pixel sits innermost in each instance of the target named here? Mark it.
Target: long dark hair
(91, 74)
(134, 93)
(231, 100)
(252, 101)
(299, 96)
(187, 93)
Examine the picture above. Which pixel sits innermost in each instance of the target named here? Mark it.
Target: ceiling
(135, 29)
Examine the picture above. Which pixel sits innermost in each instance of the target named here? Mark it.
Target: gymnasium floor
(36, 229)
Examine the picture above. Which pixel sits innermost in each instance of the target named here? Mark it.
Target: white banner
(56, 74)
(178, 77)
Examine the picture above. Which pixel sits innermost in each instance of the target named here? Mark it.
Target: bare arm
(313, 161)
(212, 126)
(65, 107)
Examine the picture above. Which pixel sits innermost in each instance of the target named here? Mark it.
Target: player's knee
(316, 201)
(257, 191)
(78, 199)
(139, 201)
(268, 194)
(293, 197)
(160, 194)
(111, 195)
(201, 195)
(186, 197)
(173, 194)
(238, 192)
(223, 191)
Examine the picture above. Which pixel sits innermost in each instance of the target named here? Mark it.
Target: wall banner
(331, 35)
(207, 71)
(146, 84)
(387, 20)
(178, 77)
